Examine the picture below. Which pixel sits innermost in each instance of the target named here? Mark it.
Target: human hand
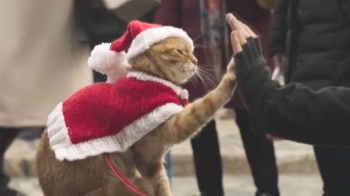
(246, 45)
(242, 31)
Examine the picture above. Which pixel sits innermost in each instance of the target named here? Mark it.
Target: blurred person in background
(310, 41)
(204, 21)
(102, 26)
(42, 61)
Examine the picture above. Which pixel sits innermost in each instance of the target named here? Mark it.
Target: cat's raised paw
(231, 68)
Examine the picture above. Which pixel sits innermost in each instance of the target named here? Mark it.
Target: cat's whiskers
(185, 69)
(208, 74)
(194, 79)
(207, 80)
(201, 79)
(198, 46)
(197, 37)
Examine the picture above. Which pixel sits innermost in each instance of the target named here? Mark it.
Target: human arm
(295, 112)
(292, 112)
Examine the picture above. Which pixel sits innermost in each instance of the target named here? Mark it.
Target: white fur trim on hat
(182, 93)
(109, 62)
(65, 150)
(147, 38)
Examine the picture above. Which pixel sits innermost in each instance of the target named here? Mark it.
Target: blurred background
(43, 54)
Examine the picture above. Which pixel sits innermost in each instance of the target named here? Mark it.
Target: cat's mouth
(189, 72)
(186, 72)
(188, 68)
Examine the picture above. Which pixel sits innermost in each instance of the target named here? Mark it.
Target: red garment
(104, 117)
(88, 112)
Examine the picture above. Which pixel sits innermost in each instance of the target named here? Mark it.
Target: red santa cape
(106, 118)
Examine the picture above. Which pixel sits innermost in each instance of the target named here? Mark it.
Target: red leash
(122, 178)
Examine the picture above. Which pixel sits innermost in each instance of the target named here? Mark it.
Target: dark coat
(294, 112)
(315, 36)
(185, 14)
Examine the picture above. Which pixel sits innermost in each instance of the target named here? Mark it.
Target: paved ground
(291, 157)
(290, 185)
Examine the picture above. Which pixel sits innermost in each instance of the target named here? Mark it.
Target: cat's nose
(194, 61)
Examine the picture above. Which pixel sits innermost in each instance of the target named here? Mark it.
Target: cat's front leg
(194, 116)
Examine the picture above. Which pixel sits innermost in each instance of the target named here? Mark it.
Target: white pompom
(118, 71)
(103, 60)
(184, 94)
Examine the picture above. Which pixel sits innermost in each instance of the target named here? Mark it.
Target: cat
(171, 60)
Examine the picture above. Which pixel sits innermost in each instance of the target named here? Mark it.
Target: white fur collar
(182, 93)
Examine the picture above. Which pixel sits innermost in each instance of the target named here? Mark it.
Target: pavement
(239, 185)
(292, 158)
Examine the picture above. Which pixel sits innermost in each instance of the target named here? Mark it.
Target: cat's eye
(180, 51)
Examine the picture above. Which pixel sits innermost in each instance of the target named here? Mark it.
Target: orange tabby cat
(171, 60)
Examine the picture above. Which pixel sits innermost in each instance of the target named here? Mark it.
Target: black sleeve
(278, 29)
(295, 112)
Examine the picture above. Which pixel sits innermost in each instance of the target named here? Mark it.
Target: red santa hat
(106, 118)
(111, 58)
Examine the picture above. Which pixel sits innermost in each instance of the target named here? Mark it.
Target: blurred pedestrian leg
(261, 157)
(42, 62)
(168, 166)
(333, 164)
(207, 161)
(31, 134)
(7, 135)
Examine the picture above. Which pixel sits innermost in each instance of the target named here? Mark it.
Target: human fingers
(244, 30)
(252, 41)
(236, 25)
(235, 42)
(249, 31)
(240, 31)
(229, 19)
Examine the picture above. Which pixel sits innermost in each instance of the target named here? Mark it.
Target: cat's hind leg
(156, 174)
(120, 189)
(161, 183)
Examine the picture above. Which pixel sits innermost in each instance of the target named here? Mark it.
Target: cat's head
(171, 59)
(162, 51)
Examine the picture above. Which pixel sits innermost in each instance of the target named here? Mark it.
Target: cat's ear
(106, 61)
